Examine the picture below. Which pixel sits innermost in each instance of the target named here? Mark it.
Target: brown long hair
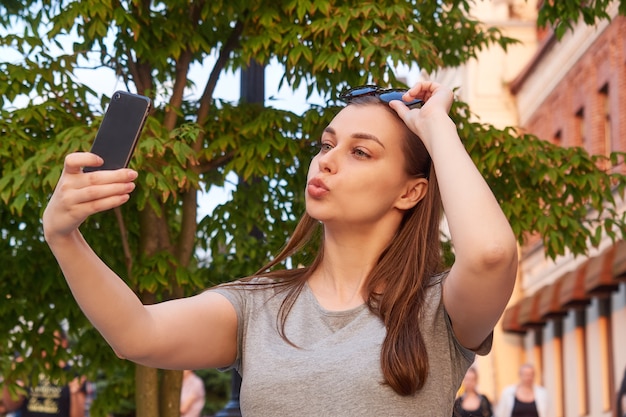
(403, 272)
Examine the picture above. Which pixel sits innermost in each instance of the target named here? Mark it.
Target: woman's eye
(325, 147)
(360, 153)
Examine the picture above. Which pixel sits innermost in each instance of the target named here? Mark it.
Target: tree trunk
(146, 391)
(171, 382)
(155, 397)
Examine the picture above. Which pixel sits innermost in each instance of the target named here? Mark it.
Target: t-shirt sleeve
(235, 295)
(483, 349)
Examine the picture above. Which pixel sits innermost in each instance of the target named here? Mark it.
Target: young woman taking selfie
(373, 326)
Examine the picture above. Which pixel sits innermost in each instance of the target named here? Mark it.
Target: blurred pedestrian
(621, 397)
(472, 403)
(524, 398)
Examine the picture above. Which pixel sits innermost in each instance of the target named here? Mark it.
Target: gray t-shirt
(335, 368)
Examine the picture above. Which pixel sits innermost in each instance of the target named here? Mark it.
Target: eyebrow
(357, 135)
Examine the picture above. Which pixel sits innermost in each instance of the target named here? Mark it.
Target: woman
(524, 399)
(472, 403)
(370, 327)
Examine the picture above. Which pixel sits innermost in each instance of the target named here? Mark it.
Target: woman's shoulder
(433, 288)
(255, 284)
(251, 291)
(249, 284)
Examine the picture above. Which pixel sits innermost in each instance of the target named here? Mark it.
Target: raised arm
(189, 333)
(482, 278)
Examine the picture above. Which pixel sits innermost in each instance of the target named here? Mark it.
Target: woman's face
(527, 375)
(358, 177)
(470, 381)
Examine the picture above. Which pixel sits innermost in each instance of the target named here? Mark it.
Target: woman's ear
(415, 191)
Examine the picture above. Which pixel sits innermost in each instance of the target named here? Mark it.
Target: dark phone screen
(120, 129)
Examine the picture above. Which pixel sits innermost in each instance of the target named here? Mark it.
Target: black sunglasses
(384, 94)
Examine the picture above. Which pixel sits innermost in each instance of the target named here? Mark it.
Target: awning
(549, 305)
(619, 261)
(572, 293)
(595, 277)
(528, 315)
(510, 320)
(599, 278)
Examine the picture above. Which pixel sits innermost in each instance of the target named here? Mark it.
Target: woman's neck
(349, 256)
(470, 393)
(338, 287)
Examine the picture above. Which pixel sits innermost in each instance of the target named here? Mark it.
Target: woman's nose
(327, 161)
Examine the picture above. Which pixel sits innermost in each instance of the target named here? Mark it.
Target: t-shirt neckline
(308, 292)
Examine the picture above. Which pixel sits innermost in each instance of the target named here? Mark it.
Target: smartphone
(120, 129)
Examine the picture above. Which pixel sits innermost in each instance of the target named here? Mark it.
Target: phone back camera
(117, 96)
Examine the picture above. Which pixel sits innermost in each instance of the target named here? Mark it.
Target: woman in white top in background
(524, 399)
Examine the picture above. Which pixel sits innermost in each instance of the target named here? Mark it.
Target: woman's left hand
(426, 120)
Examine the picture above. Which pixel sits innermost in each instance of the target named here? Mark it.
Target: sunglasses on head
(384, 94)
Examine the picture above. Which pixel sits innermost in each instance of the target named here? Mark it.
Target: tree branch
(207, 95)
(215, 163)
(190, 198)
(182, 74)
(128, 258)
(180, 81)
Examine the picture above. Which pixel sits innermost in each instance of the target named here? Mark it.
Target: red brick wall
(604, 64)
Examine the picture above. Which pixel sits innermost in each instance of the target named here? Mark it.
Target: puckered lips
(316, 188)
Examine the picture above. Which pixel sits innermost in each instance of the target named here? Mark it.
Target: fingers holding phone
(98, 181)
(79, 195)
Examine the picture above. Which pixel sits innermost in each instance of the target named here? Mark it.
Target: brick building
(567, 316)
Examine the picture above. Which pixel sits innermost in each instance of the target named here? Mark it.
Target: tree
(193, 144)
(562, 15)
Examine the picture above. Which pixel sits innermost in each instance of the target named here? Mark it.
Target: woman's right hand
(79, 195)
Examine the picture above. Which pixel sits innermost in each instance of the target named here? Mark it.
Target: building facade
(567, 316)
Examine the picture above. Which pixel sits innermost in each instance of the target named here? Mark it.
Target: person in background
(192, 395)
(48, 398)
(90, 396)
(471, 403)
(4, 412)
(621, 398)
(524, 398)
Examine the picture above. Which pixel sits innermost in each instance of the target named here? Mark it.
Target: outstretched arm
(485, 247)
(194, 332)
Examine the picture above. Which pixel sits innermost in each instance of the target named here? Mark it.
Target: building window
(579, 128)
(557, 139)
(581, 362)
(606, 135)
